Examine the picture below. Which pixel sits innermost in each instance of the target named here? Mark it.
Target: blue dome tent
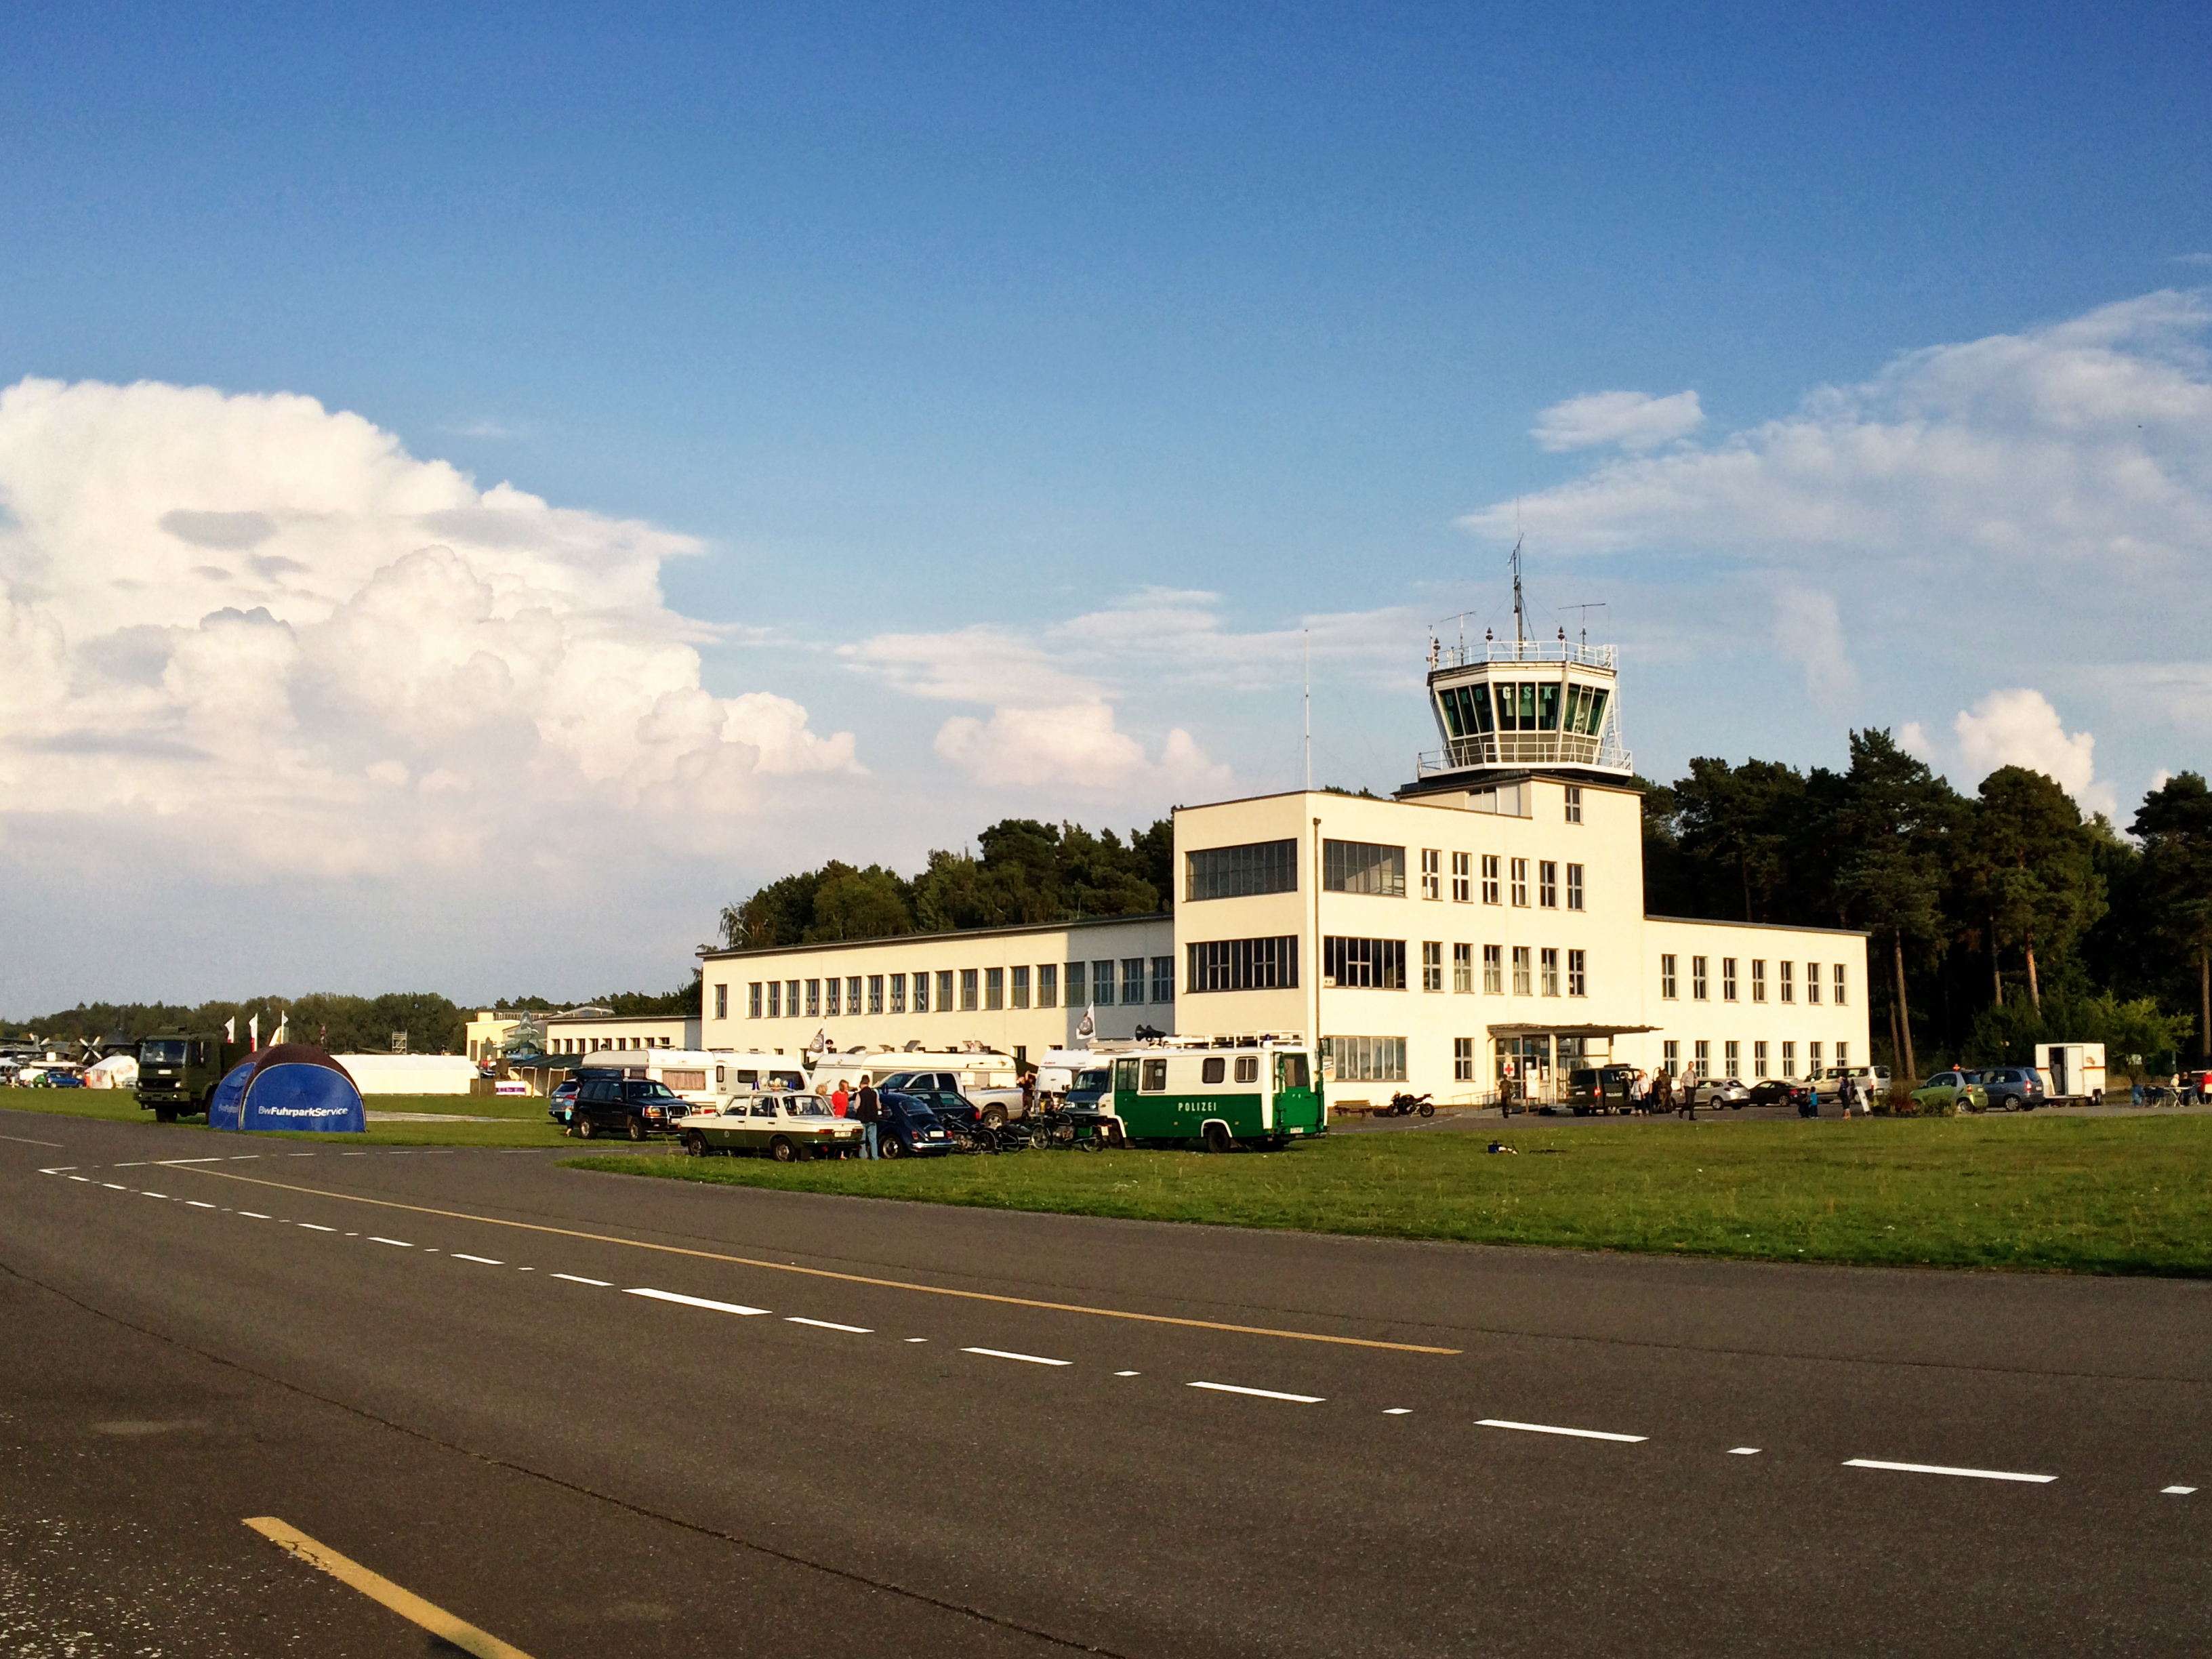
(290, 1086)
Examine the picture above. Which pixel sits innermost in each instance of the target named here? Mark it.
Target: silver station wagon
(786, 1127)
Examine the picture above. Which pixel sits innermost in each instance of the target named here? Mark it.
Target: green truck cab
(1215, 1092)
(178, 1072)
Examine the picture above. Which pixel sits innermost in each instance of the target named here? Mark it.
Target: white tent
(411, 1074)
(116, 1072)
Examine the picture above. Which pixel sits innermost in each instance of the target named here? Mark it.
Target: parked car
(909, 1128)
(562, 1101)
(786, 1127)
(1599, 1089)
(1872, 1082)
(1956, 1090)
(1727, 1092)
(636, 1107)
(59, 1080)
(1774, 1091)
(2015, 1088)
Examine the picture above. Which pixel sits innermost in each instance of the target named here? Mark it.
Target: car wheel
(1217, 1138)
(637, 1128)
(782, 1150)
(995, 1117)
(586, 1128)
(694, 1144)
(891, 1146)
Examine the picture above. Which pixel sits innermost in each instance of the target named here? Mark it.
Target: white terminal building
(1491, 915)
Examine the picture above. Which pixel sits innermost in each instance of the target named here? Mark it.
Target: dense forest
(1022, 872)
(1998, 918)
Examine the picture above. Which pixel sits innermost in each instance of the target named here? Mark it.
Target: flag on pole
(230, 1029)
(253, 1034)
(821, 1039)
(1088, 1025)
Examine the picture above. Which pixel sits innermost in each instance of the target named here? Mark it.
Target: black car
(909, 1128)
(939, 1090)
(1776, 1091)
(631, 1106)
(2014, 1088)
(1599, 1089)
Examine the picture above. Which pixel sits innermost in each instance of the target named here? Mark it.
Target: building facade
(1019, 990)
(587, 1030)
(1485, 922)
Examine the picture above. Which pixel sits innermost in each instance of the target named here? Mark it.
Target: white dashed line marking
(738, 1308)
(917, 1339)
(460, 1256)
(135, 1163)
(2177, 1492)
(153, 1194)
(1547, 1428)
(173, 1162)
(115, 1186)
(399, 1242)
(578, 1279)
(86, 1179)
(1128, 1373)
(1397, 1411)
(828, 1325)
(199, 1204)
(1939, 1468)
(1026, 1359)
(1261, 1393)
(1743, 1451)
(313, 1228)
(254, 1215)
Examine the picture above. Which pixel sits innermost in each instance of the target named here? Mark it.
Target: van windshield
(164, 1054)
(1098, 1078)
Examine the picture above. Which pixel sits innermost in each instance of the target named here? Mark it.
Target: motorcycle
(1405, 1105)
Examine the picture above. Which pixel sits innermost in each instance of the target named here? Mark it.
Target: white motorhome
(978, 1068)
(702, 1076)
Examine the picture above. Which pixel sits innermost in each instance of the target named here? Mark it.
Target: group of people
(1662, 1092)
(861, 1102)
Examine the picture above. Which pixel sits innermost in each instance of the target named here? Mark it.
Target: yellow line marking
(407, 1605)
(825, 1273)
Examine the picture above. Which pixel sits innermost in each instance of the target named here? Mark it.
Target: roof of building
(1777, 927)
(956, 933)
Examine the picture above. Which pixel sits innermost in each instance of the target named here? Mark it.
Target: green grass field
(2109, 1195)
(522, 1121)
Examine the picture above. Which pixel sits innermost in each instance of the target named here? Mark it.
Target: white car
(786, 1127)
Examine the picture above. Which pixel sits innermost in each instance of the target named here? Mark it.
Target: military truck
(178, 1072)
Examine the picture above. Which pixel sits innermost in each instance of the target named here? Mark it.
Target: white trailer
(2074, 1071)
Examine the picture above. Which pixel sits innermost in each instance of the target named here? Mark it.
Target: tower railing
(1537, 651)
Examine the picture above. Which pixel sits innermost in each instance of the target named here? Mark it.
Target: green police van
(1212, 1091)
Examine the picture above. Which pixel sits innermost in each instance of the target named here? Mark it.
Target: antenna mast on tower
(1520, 633)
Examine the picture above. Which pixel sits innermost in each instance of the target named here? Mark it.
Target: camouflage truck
(178, 1072)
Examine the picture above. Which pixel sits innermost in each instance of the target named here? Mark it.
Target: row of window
(1785, 980)
(1359, 866)
(1701, 1058)
(593, 1045)
(1383, 1059)
(964, 989)
(1379, 964)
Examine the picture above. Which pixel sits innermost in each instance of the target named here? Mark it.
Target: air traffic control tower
(1507, 709)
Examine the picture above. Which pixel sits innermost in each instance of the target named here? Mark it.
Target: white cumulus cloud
(1635, 421)
(266, 628)
(1073, 749)
(2019, 727)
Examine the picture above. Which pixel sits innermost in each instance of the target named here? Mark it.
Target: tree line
(426, 1023)
(1023, 870)
(1998, 918)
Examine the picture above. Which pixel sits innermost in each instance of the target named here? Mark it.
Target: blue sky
(964, 331)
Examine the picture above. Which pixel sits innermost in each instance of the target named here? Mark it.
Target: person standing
(869, 1109)
(1689, 1096)
(840, 1102)
(1639, 1091)
(1663, 1090)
